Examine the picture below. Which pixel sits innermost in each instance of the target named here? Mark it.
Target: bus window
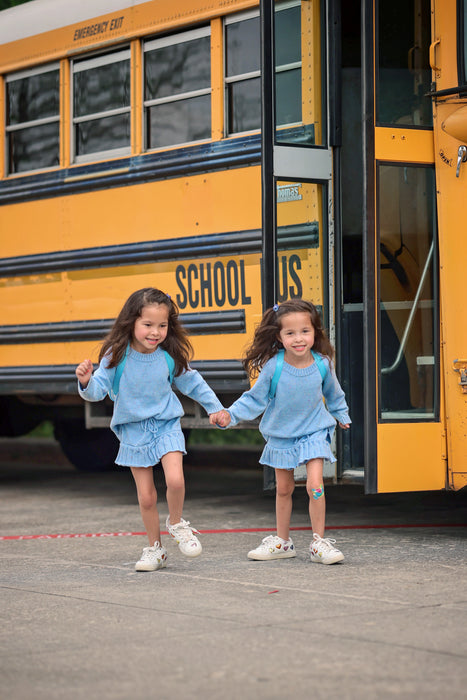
(288, 65)
(242, 69)
(404, 74)
(242, 73)
(408, 304)
(297, 56)
(33, 119)
(101, 105)
(177, 89)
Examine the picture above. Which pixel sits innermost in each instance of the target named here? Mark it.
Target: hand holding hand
(221, 418)
(84, 372)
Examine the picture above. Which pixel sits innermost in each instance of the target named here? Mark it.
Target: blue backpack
(280, 361)
(121, 365)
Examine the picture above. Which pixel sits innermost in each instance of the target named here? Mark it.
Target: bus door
(404, 440)
(448, 58)
(297, 159)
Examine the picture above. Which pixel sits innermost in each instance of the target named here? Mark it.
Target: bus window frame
(229, 80)
(238, 77)
(89, 61)
(406, 417)
(9, 128)
(378, 122)
(149, 44)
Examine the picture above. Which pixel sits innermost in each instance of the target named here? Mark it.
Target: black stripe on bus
(149, 167)
(204, 323)
(221, 375)
(211, 245)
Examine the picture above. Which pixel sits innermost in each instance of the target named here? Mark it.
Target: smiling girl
(297, 425)
(144, 342)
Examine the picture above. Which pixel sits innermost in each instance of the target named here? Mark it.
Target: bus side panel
(450, 128)
(405, 446)
(228, 200)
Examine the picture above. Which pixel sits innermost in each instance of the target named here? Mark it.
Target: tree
(5, 4)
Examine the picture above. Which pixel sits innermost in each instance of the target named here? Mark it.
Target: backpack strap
(118, 375)
(121, 366)
(278, 369)
(171, 365)
(320, 364)
(277, 374)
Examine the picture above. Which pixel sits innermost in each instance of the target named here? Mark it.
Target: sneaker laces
(184, 531)
(146, 555)
(269, 538)
(328, 543)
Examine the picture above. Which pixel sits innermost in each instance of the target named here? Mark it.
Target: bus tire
(17, 418)
(92, 450)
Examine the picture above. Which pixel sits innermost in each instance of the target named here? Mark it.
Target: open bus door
(405, 439)
(334, 193)
(297, 167)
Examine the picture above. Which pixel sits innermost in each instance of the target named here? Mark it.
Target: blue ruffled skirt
(288, 453)
(144, 443)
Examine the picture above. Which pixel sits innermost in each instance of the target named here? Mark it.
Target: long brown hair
(121, 333)
(266, 343)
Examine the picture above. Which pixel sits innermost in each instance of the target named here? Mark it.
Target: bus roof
(40, 16)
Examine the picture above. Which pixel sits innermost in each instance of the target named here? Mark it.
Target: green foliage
(214, 436)
(43, 430)
(207, 436)
(5, 4)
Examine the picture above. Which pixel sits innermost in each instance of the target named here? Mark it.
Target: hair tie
(168, 296)
(275, 307)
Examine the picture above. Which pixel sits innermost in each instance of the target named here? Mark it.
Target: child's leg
(315, 490)
(172, 464)
(147, 499)
(285, 485)
(178, 528)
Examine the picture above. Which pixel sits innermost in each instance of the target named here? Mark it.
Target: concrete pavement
(79, 622)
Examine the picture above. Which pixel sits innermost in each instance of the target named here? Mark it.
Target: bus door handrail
(408, 326)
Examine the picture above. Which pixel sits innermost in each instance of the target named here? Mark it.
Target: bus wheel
(17, 418)
(91, 450)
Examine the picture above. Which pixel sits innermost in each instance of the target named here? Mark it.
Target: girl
(145, 341)
(296, 424)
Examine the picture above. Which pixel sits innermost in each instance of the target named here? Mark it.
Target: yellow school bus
(235, 154)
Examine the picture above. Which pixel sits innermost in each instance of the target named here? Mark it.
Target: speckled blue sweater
(145, 391)
(298, 408)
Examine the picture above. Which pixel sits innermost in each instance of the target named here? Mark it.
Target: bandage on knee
(317, 493)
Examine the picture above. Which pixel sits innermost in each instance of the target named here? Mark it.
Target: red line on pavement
(228, 530)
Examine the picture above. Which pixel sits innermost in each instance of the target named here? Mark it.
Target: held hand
(221, 419)
(344, 426)
(84, 372)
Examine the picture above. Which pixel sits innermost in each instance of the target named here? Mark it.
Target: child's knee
(315, 491)
(285, 490)
(147, 499)
(175, 483)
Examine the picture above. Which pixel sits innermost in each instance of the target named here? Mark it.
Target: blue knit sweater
(298, 408)
(145, 391)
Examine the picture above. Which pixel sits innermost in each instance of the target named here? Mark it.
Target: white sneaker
(152, 558)
(188, 544)
(273, 547)
(322, 551)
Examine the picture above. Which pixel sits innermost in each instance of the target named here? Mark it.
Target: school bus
(234, 154)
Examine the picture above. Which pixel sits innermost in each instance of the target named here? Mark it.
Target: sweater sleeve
(192, 384)
(253, 403)
(99, 385)
(335, 397)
